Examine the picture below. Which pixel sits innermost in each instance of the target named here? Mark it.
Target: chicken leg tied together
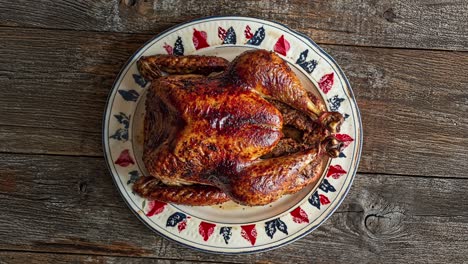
(264, 181)
(268, 74)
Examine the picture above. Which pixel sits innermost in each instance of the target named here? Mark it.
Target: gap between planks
(38, 252)
(157, 33)
(377, 94)
(369, 174)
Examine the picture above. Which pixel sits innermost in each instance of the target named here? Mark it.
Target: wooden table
(407, 62)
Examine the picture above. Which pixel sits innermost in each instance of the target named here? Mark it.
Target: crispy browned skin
(267, 74)
(151, 188)
(301, 134)
(153, 66)
(222, 132)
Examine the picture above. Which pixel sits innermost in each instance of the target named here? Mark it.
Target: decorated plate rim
(244, 250)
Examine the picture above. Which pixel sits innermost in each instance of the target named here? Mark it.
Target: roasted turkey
(245, 131)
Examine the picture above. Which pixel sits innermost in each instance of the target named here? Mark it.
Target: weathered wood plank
(61, 80)
(39, 140)
(414, 108)
(69, 204)
(414, 103)
(395, 23)
(18, 257)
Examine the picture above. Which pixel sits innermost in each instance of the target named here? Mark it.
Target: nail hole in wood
(83, 186)
(389, 15)
(130, 2)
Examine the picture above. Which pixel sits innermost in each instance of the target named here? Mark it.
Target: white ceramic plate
(230, 228)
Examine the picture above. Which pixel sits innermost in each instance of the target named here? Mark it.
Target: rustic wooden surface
(406, 60)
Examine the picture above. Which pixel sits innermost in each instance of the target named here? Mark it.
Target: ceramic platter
(230, 228)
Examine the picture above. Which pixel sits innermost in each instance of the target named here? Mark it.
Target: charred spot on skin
(186, 84)
(212, 147)
(189, 173)
(227, 168)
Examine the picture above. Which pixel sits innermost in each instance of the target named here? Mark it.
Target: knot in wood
(83, 186)
(389, 15)
(384, 224)
(129, 2)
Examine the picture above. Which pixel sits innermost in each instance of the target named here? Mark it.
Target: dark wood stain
(12, 257)
(7, 181)
(407, 119)
(393, 23)
(384, 217)
(81, 245)
(58, 60)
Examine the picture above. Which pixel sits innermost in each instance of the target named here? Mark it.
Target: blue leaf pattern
(178, 47)
(308, 66)
(134, 175)
(230, 36)
(326, 186)
(335, 102)
(270, 228)
(303, 56)
(342, 155)
(122, 133)
(175, 218)
(258, 37)
(140, 80)
(314, 200)
(225, 231)
(129, 95)
(273, 225)
(281, 226)
(123, 119)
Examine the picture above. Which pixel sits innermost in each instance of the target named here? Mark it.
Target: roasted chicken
(245, 131)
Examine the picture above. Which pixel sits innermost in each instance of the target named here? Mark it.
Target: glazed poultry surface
(249, 134)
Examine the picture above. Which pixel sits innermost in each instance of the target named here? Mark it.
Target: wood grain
(58, 60)
(11, 257)
(417, 24)
(414, 108)
(55, 141)
(69, 204)
(414, 103)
